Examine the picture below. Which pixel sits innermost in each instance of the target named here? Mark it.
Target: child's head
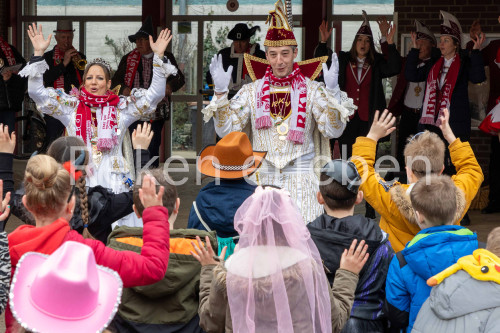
(493, 242)
(68, 148)
(424, 155)
(47, 186)
(71, 148)
(434, 199)
(170, 199)
(339, 184)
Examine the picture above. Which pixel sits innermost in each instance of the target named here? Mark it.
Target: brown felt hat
(231, 158)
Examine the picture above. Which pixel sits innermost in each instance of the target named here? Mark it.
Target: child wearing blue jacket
(436, 203)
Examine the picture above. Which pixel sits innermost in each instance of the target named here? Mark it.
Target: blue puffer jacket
(217, 205)
(431, 251)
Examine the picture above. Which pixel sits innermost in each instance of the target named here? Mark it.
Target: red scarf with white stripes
(8, 52)
(133, 60)
(298, 98)
(58, 58)
(436, 100)
(104, 120)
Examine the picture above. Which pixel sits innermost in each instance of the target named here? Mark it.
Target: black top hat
(145, 31)
(344, 172)
(242, 32)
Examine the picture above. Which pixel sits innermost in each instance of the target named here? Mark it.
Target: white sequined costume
(287, 165)
(109, 168)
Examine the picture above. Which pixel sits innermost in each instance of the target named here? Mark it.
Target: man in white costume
(290, 114)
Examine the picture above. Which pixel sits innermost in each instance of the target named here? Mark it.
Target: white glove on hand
(331, 76)
(220, 77)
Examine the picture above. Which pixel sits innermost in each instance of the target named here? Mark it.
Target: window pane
(109, 40)
(218, 7)
(48, 28)
(89, 7)
(372, 7)
(185, 50)
(184, 133)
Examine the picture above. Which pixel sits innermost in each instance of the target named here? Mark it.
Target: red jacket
(134, 269)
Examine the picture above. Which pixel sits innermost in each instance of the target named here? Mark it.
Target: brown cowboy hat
(231, 158)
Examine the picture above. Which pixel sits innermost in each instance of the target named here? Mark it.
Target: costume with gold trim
(288, 164)
(109, 166)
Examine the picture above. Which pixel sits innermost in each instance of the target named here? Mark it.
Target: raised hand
(206, 255)
(414, 40)
(161, 43)
(142, 136)
(383, 25)
(7, 142)
(478, 41)
(381, 126)
(220, 77)
(40, 44)
(390, 34)
(355, 258)
(331, 75)
(4, 203)
(445, 126)
(324, 31)
(147, 193)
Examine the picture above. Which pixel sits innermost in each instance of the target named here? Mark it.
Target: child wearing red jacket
(49, 197)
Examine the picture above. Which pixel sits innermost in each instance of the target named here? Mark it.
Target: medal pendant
(1, 63)
(282, 128)
(417, 91)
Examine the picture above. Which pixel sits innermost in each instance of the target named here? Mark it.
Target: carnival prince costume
(292, 118)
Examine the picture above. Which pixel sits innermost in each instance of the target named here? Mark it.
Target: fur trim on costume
(403, 203)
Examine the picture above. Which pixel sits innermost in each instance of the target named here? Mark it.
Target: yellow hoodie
(393, 202)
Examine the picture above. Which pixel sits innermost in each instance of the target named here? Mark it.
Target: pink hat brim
(33, 319)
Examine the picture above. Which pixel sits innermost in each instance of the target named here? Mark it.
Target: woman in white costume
(96, 114)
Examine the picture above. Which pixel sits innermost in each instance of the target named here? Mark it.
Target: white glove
(331, 76)
(220, 77)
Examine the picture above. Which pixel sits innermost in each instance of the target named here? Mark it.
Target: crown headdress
(100, 61)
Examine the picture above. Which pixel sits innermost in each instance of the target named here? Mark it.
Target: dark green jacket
(171, 301)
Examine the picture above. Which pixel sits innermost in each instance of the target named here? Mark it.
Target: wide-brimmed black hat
(242, 32)
(145, 31)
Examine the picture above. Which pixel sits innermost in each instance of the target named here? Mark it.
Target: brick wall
(427, 11)
(466, 11)
(480, 143)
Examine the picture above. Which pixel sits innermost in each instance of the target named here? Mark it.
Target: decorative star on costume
(280, 33)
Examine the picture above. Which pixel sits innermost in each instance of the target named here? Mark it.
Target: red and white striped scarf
(298, 98)
(436, 100)
(105, 118)
(133, 60)
(58, 57)
(7, 51)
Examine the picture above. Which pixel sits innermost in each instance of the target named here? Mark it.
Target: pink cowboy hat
(64, 292)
